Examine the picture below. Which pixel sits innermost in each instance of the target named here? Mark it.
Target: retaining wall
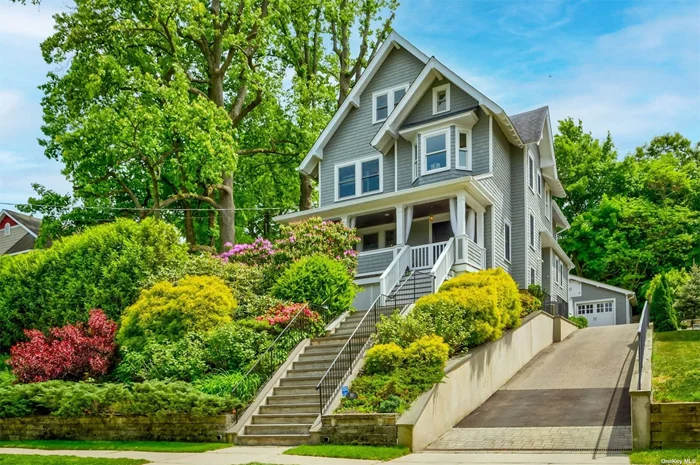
(374, 429)
(118, 428)
(675, 425)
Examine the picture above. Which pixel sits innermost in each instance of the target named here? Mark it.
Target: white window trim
(448, 150)
(389, 101)
(531, 233)
(507, 246)
(531, 172)
(415, 162)
(547, 202)
(358, 177)
(8, 229)
(539, 184)
(468, 132)
(446, 88)
(529, 275)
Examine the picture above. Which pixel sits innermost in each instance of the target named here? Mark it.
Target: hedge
(103, 267)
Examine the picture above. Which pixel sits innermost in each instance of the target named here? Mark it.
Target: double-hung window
(441, 99)
(384, 102)
(532, 230)
(414, 154)
(464, 149)
(436, 151)
(539, 184)
(531, 172)
(533, 276)
(506, 236)
(358, 178)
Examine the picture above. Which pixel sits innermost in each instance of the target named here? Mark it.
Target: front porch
(437, 237)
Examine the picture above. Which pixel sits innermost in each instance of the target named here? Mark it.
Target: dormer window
(384, 102)
(441, 99)
(436, 152)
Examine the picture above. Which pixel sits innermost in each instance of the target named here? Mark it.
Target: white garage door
(598, 313)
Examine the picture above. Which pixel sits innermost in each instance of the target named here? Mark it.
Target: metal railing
(299, 328)
(349, 355)
(642, 339)
(556, 307)
(393, 273)
(416, 285)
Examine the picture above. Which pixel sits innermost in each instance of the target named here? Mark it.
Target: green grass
(654, 457)
(12, 459)
(676, 366)
(143, 446)
(349, 452)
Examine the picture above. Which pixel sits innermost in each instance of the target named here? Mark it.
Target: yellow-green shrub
(449, 320)
(384, 358)
(428, 351)
(169, 311)
(506, 291)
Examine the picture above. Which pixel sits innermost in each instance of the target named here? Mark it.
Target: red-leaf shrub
(280, 315)
(73, 352)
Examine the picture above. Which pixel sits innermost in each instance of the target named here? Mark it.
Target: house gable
(351, 139)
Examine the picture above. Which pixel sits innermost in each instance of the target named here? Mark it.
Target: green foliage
(103, 267)
(529, 303)
(579, 321)
(219, 384)
(676, 366)
(449, 319)
(26, 459)
(168, 312)
(142, 446)
(675, 278)
(403, 330)
(67, 399)
(319, 280)
(687, 303)
(232, 347)
(428, 351)
(536, 291)
(182, 360)
(346, 451)
(662, 313)
(384, 358)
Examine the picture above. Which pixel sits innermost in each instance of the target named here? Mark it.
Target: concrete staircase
(288, 413)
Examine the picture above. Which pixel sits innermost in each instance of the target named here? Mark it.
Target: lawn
(655, 457)
(143, 446)
(12, 459)
(676, 366)
(349, 452)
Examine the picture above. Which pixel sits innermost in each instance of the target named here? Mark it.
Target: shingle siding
(16, 235)
(352, 139)
(374, 262)
(518, 217)
(459, 100)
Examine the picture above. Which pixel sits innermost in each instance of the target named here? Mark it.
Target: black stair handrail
(277, 353)
(347, 358)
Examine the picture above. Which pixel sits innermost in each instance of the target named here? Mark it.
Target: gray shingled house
(18, 232)
(601, 304)
(438, 179)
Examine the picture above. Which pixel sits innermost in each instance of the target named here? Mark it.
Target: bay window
(464, 149)
(436, 152)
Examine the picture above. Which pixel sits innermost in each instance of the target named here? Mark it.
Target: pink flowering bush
(280, 316)
(260, 253)
(72, 352)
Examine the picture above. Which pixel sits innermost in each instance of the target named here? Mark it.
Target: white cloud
(15, 112)
(25, 21)
(11, 161)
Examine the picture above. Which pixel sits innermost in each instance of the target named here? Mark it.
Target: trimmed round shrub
(428, 351)
(506, 291)
(579, 321)
(529, 303)
(384, 358)
(103, 267)
(167, 312)
(317, 279)
(403, 330)
(449, 319)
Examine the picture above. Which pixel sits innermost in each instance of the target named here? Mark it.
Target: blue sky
(631, 68)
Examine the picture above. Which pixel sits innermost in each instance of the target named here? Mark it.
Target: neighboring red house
(18, 232)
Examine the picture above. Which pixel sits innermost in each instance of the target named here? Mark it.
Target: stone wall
(675, 425)
(371, 429)
(118, 428)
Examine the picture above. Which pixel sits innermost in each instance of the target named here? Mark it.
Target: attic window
(441, 99)
(384, 102)
(7, 229)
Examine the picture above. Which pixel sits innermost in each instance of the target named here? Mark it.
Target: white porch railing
(425, 256)
(443, 264)
(476, 255)
(393, 273)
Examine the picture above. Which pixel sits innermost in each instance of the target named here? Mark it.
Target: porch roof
(414, 195)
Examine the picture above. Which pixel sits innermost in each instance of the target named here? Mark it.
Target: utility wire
(147, 209)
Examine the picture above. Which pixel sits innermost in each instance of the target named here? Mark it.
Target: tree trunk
(189, 225)
(227, 214)
(305, 191)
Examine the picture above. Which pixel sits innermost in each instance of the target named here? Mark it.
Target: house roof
(530, 124)
(23, 245)
(630, 294)
(29, 223)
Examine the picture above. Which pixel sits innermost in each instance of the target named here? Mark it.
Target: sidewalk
(273, 455)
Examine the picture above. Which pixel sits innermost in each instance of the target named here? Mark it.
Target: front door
(442, 231)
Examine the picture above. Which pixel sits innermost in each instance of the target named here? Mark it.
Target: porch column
(345, 220)
(480, 229)
(400, 240)
(460, 243)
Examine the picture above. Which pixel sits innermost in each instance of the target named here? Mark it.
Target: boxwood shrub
(103, 267)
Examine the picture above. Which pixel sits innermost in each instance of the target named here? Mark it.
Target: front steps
(293, 406)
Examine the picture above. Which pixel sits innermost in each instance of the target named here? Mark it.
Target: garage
(598, 313)
(601, 304)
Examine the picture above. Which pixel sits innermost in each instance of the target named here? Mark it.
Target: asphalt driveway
(574, 395)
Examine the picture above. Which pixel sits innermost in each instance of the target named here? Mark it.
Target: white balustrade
(476, 255)
(443, 264)
(424, 256)
(393, 273)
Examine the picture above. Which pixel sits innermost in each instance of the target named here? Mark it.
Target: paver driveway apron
(574, 395)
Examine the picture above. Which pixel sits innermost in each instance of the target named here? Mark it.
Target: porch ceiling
(375, 219)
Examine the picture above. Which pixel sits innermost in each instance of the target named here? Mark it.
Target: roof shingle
(530, 124)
